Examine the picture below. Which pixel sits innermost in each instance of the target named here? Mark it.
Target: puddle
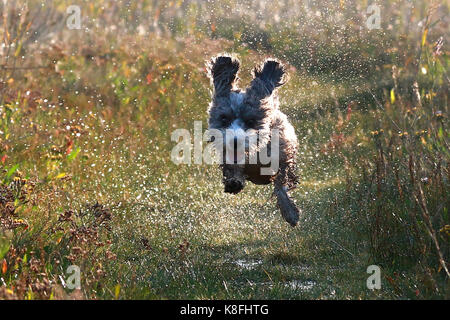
(300, 285)
(293, 284)
(248, 265)
(304, 268)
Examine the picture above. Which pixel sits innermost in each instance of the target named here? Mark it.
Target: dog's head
(243, 117)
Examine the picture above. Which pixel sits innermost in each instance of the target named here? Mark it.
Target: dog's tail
(288, 209)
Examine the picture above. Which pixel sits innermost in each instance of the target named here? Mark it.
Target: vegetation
(86, 179)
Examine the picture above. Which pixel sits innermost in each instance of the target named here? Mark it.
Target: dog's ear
(267, 77)
(272, 73)
(223, 71)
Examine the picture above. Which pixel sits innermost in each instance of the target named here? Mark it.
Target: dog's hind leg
(288, 209)
(233, 178)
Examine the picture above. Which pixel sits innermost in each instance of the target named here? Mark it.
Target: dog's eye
(250, 123)
(224, 119)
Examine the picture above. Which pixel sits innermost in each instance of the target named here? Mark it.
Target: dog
(240, 115)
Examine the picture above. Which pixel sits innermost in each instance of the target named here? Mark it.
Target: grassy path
(203, 243)
(79, 139)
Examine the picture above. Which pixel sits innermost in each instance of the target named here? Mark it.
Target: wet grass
(87, 178)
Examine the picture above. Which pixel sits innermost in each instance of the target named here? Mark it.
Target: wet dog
(256, 141)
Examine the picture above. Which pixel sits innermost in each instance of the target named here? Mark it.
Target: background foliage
(86, 177)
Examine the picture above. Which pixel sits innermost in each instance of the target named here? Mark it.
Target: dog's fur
(254, 111)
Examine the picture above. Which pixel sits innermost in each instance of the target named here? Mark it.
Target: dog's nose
(233, 186)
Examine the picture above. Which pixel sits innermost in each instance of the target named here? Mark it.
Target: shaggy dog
(240, 116)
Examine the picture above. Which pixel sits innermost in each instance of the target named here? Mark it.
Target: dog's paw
(291, 215)
(233, 186)
(288, 209)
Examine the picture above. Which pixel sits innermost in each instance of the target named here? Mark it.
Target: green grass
(87, 177)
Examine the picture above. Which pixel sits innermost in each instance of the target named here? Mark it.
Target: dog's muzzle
(235, 147)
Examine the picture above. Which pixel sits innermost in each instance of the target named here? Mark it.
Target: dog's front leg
(233, 178)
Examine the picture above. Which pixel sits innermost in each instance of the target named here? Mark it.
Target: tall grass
(407, 185)
(85, 169)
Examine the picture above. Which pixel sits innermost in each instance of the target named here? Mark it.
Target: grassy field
(86, 118)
